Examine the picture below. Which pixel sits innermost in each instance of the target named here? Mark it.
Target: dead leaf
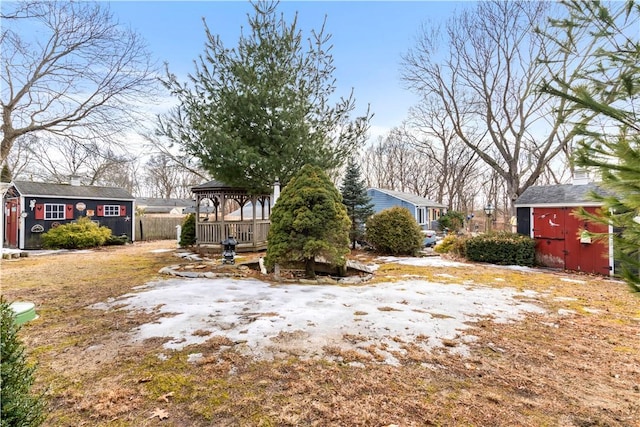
(160, 413)
(165, 397)
(144, 380)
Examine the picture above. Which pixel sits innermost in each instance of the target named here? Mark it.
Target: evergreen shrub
(394, 231)
(501, 248)
(83, 233)
(452, 220)
(188, 232)
(18, 405)
(446, 245)
(117, 240)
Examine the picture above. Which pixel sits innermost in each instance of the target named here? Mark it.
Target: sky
(368, 37)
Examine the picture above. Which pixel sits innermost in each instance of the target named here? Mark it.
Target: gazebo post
(254, 226)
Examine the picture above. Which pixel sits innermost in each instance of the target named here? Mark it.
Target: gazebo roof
(215, 185)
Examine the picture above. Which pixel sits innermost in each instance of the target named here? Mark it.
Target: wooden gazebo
(231, 212)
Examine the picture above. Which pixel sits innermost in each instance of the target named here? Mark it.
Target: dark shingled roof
(215, 185)
(43, 189)
(557, 195)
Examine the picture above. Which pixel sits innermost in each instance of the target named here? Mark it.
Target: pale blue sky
(369, 38)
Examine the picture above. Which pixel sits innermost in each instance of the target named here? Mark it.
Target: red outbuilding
(563, 240)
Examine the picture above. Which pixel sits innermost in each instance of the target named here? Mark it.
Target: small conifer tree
(5, 173)
(188, 232)
(308, 221)
(18, 406)
(356, 200)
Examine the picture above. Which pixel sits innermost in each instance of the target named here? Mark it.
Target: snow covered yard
(267, 320)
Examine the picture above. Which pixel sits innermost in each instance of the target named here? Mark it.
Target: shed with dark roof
(33, 208)
(548, 214)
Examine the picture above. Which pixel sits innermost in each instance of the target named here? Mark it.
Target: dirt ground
(576, 364)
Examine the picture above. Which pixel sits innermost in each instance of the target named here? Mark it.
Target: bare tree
(485, 80)
(166, 178)
(452, 165)
(56, 159)
(69, 69)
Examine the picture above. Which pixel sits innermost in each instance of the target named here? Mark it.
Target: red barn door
(549, 233)
(12, 222)
(584, 255)
(559, 245)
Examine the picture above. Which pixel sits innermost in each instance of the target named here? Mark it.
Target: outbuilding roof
(410, 198)
(44, 189)
(560, 195)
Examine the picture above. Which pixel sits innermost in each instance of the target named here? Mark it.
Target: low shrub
(83, 233)
(117, 240)
(394, 231)
(188, 231)
(501, 248)
(445, 246)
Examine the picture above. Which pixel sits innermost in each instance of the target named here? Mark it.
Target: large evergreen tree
(608, 97)
(262, 110)
(309, 221)
(18, 406)
(356, 199)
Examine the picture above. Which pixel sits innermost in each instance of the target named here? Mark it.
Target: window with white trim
(422, 218)
(53, 211)
(111, 210)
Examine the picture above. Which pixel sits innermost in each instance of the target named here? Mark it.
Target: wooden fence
(157, 227)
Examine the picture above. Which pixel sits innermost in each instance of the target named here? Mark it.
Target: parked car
(429, 240)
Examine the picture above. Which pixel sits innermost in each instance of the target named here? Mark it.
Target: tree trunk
(310, 268)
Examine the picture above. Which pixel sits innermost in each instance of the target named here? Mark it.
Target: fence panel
(157, 227)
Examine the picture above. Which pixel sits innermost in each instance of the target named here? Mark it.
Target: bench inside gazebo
(223, 211)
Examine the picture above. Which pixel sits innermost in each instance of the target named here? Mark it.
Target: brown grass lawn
(576, 365)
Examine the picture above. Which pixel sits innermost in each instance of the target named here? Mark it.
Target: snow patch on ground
(267, 320)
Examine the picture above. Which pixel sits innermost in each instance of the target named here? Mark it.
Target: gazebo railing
(212, 233)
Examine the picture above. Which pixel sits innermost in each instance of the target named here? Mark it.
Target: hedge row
(501, 248)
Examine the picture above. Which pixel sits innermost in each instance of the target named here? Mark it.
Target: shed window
(111, 210)
(54, 211)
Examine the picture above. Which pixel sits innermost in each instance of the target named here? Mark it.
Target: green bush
(117, 240)
(18, 406)
(394, 231)
(188, 232)
(83, 233)
(452, 220)
(445, 246)
(501, 248)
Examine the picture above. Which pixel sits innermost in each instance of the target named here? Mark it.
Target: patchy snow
(564, 279)
(267, 320)
(430, 261)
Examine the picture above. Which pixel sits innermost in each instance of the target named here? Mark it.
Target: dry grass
(576, 365)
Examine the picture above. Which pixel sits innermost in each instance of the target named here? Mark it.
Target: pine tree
(5, 173)
(262, 110)
(309, 221)
(356, 200)
(188, 231)
(18, 406)
(609, 131)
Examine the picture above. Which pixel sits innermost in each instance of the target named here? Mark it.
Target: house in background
(425, 211)
(33, 208)
(547, 214)
(159, 206)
